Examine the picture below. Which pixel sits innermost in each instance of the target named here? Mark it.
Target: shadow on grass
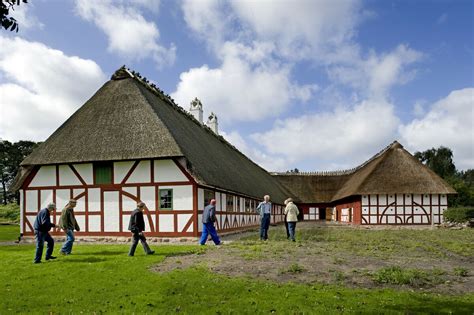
(103, 253)
(87, 260)
(431, 305)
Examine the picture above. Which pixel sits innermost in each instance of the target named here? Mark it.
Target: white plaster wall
(141, 174)
(147, 195)
(167, 171)
(32, 201)
(81, 221)
(131, 190)
(31, 219)
(111, 211)
(94, 199)
(67, 177)
(94, 223)
(46, 197)
(81, 204)
(22, 211)
(121, 169)
(218, 201)
(86, 171)
(224, 202)
(166, 223)
(200, 199)
(128, 204)
(182, 220)
(62, 198)
(46, 176)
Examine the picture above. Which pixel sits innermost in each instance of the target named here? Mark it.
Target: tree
(11, 155)
(7, 21)
(439, 160)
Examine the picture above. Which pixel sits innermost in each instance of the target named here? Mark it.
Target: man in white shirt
(264, 208)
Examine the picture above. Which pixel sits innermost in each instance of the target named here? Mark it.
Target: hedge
(458, 215)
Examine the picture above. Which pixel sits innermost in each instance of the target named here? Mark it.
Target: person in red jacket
(137, 226)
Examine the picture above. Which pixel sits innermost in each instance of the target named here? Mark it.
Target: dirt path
(324, 262)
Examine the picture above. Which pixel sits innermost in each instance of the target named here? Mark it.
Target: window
(103, 173)
(166, 199)
(247, 205)
(208, 196)
(230, 203)
(238, 204)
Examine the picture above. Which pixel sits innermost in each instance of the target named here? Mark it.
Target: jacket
(260, 209)
(291, 212)
(209, 214)
(137, 223)
(43, 221)
(67, 221)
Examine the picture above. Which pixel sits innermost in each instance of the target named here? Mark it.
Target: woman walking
(291, 213)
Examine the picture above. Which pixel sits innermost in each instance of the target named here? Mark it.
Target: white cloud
(269, 162)
(332, 136)
(449, 122)
(246, 87)
(42, 88)
(25, 18)
(129, 34)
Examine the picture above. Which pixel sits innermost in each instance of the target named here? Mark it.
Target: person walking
(208, 219)
(264, 208)
(42, 226)
(68, 223)
(137, 227)
(291, 213)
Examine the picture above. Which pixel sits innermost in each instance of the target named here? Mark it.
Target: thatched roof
(393, 170)
(129, 119)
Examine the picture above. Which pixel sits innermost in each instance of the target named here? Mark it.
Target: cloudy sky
(317, 85)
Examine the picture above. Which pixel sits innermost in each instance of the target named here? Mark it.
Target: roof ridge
(168, 99)
(342, 172)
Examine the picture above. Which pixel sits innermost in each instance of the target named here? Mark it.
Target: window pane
(208, 196)
(166, 199)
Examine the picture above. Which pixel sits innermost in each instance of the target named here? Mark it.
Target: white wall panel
(130, 189)
(22, 210)
(94, 223)
(141, 174)
(86, 171)
(166, 223)
(67, 177)
(167, 171)
(46, 176)
(147, 195)
(31, 219)
(218, 201)
(200, 199)
(46, 198)
(81, 220)
(111, 211)
(32, 201)
(128, 204)
(121, 169)
(182, 220)
(62, 198)
(94, 199)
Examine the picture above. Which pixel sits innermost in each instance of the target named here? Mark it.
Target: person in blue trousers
(264, 208)
(68, 223)
(208, 219)
(42, 226)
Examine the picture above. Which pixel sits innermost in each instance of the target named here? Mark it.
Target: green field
(9, 232)
(102, 279)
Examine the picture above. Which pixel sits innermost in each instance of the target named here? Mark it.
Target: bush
(458, 215)
(10, 213)
(412, 277)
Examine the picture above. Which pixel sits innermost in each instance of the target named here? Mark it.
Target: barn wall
(349, 210)
(106, 209)
(403, 209)
(241, 215)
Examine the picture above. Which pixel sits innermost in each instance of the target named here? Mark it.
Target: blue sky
(317, 85)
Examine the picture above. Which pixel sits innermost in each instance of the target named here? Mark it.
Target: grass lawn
(9, 232)
(102, 279)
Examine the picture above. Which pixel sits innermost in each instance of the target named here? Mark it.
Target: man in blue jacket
(42, 227)
(208, 219)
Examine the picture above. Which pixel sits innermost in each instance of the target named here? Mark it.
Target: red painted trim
(86, 220)
(195, 210)
(102, 229)
(175, 221)
(120, 212)
(24, 211)
(30, 177)
(73, 169)
(39, 201)
(184, 171)
(152, 171)
(29, 224)
(111, 186)
(188, 224)
(129, 173)
(57, 175)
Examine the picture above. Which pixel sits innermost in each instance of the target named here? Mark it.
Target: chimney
(212, 123)
(196, 109)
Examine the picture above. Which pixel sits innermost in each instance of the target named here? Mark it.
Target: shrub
(10, 213)
(295, 268)
(412, 277)
(461, 272)
(458, 215)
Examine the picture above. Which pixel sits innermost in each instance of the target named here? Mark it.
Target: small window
(208, 196)
(247, 205)
(103, 173)
(166, 199)
(238, 204)
(230, 203)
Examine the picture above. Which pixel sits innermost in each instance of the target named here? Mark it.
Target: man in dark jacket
(68, 223)
(137, 226)
(208, 219)
(42, 227)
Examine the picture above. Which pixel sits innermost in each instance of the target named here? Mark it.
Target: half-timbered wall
(403, 208)
(242, 214)
(105, 209)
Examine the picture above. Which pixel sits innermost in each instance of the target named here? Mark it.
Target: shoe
(130, 255)
(52, 257)
(37, 262)
(150, 252)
